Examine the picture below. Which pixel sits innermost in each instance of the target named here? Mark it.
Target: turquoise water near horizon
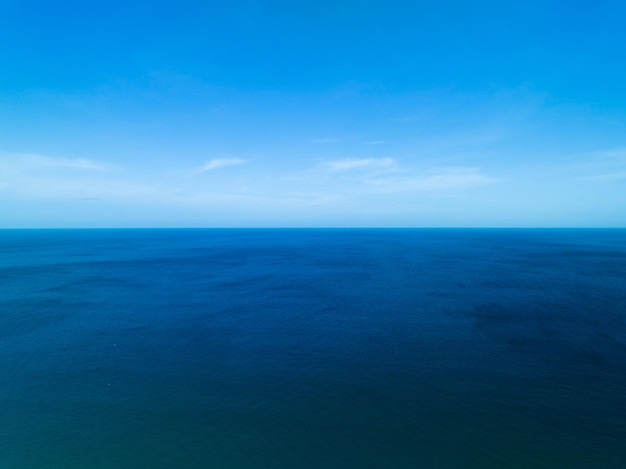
(309, 348)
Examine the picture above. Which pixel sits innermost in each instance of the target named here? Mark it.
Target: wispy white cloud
(47, 177)
(32, 162)
(39, 177)
(597, 166)
(360, 163)
(217, 163)
(450, 179)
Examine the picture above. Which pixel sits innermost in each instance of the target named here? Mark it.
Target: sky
(312, 114)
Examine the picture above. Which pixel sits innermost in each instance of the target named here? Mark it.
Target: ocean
(313, 348)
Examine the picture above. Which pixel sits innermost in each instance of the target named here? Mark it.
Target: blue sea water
(313, 348)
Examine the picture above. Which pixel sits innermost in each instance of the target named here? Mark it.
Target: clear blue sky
(283, 113)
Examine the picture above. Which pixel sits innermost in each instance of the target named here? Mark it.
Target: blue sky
(344, 113)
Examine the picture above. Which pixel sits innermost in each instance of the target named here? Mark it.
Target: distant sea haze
(313, 348)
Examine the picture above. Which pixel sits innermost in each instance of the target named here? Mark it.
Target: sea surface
(313, 348)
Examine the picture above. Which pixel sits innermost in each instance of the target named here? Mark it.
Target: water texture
(313, 348)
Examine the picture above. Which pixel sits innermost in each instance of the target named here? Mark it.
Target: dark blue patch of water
(313, 348)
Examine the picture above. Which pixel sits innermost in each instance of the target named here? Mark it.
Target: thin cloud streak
(217, 163)
(360, 163)
(454, 179)
(20, 163)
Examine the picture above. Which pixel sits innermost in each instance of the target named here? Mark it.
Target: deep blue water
(313, 348)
